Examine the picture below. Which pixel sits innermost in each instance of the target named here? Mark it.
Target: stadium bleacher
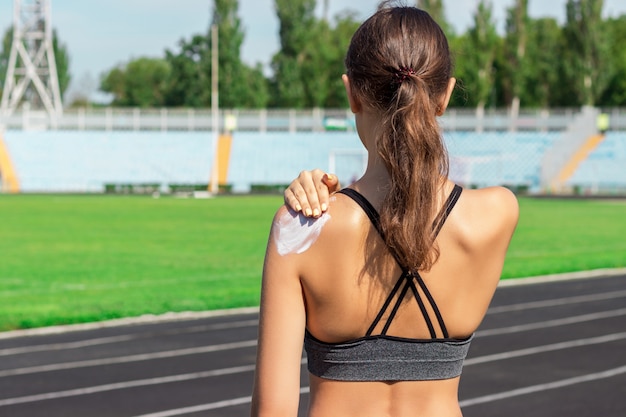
(498, 158)
(605, 168)
(58, 161)
(84, 161)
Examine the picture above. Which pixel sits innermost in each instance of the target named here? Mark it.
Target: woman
(387, 287)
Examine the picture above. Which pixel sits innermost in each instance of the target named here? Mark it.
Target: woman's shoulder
(493, 200)
(490, 213)
(295, 233)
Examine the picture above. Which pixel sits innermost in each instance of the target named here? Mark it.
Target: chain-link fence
(527, 160)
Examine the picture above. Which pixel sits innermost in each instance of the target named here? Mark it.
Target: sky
(101, 34)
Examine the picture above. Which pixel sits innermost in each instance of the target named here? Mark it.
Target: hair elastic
(403, 73)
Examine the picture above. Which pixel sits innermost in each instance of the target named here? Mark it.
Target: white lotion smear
(295, 233)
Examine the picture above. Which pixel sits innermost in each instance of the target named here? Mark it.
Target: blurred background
(244, 95)
(120, 295)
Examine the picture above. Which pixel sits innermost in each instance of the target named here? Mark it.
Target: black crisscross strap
(407, 277)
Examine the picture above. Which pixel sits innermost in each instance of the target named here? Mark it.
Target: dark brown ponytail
(399, 63)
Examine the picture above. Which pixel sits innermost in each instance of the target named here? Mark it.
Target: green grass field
(69, 259)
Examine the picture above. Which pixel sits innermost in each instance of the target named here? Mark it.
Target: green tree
(346, 23)
(230, 36)
(239, 85)
(141, 82)
(257, 88)
(545, 49)
(62, 61)
(145, 81)
(462, 71)
(114, 82)
(296, 28)
(587, 49)
(314, 71)
(515, 45)
(189, 82)
(482, 43)
(7, 39)
(323, 61)
(615, 93)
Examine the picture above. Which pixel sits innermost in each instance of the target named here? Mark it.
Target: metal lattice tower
(31, 74)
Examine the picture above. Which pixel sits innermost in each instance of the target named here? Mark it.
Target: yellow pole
(10, 183)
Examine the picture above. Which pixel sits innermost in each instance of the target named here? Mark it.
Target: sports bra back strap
(385, 306)
(433, 304)
(365, 205)
(371, 212)
(422, 307)
(447, 208)
(375, 217)
(396, 307)
(407, 277)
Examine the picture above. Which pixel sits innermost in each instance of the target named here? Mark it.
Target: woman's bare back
(344, 293)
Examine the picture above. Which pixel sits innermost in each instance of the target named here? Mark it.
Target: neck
(375, 181)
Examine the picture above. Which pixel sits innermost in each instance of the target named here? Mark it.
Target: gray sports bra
(382, 357)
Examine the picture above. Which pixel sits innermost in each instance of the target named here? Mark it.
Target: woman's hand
(310, 192)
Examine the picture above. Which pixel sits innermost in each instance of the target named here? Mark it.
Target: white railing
(269, 120)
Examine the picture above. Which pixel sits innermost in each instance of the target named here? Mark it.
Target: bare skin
(331, 290)
(310, 192)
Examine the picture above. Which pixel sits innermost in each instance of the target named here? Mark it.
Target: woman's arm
(310, 192)
(281, 334)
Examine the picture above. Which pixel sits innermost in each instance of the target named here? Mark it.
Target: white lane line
(67, 345)
(464, 403)
(558, 302)
(210, 327)
(210, 406)
(126, 359)
(124, 385)
(191, 315)
(552, 323)
(545, 348)
(149, 319)
(567, 276)
(250, 343)
(128, 384)
(125, 338)
(543, 387)
(202, 407)
(128, 321)
(251, 323)
(248, 368)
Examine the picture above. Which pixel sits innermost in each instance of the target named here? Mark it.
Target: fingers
(314, 190)
(309, 193)
(317, 193)
(332, 182)
(296, 196)
(291, 199)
